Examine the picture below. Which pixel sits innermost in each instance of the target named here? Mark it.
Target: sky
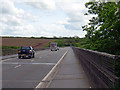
(48, 18)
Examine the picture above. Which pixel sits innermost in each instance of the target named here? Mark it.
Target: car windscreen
(52, 45)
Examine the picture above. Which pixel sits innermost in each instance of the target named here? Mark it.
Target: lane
(41, 53)
(16, 61)
(40, 57)
(27, 73)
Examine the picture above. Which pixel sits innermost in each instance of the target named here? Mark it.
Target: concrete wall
(101, 68)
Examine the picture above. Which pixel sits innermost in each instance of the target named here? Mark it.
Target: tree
(103, 31)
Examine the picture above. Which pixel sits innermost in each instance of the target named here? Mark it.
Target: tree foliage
(103, 30)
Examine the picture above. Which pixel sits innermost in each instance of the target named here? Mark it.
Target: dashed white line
(17, 66)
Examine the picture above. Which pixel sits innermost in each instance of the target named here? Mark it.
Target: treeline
(77, 42)
(103, 30)
(54, 37)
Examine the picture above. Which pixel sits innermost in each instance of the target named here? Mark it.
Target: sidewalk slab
(70, 74)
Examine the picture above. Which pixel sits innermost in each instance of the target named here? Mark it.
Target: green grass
(9, 50)
(10, 47)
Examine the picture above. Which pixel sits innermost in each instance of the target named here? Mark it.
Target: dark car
(26, 52)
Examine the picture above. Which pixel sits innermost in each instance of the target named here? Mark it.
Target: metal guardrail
(101, 68)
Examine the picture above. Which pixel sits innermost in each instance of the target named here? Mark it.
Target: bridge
(101, 68)
(70, 67)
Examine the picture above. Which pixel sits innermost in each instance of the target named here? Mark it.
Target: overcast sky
(43, 18)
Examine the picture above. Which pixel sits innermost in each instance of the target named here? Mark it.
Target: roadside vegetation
(9, 50)
(10, 47)
(103, 30)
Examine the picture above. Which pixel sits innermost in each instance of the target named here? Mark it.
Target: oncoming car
(26, 52)
(54, 47)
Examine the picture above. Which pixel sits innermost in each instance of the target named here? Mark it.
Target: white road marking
(17, 66)
(31, 63)
(9, 63)
(32, 60)
(41, 84)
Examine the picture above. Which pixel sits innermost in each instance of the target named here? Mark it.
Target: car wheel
(29, 56)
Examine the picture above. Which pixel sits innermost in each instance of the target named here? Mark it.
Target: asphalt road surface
(28, 73)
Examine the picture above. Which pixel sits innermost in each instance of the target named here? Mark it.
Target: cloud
(11, 20)
(7, 7)
(57, 29)
(15, 21)
(9, 14)
(75, 10)
(42, 4)
(19, 21)
(27, 30)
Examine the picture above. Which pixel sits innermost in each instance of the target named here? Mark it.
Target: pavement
(70, 74)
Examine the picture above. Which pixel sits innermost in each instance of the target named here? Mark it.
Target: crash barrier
(102, 69)
(15, 51)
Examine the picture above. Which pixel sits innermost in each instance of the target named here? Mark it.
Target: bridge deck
(70, 74)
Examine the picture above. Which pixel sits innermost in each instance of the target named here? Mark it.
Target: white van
(53, 47)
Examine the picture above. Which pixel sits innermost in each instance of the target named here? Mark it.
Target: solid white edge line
(45, 78)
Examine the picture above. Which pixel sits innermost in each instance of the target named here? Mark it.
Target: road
(28, 73)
